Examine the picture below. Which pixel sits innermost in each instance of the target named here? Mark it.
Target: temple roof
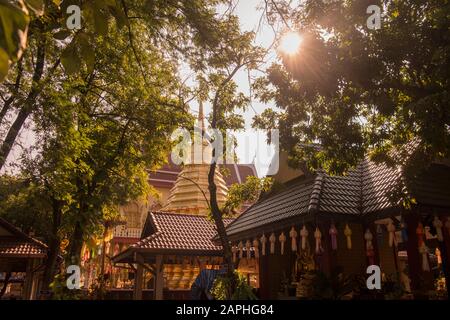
(369, 189)
(16, 244)
(169, 233)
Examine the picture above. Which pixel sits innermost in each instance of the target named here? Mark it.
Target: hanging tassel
(240, 247)
(248, 245)
(404, 228)
(348, 235)
(391, 230)
(420, 233)
(234, 251)
(304, 234)
(438, 225)
(256, 247)
(263, 244)
(272, 240)
(380, 235)
(318, 237)
(424, 251)
(293, 235)
(333, 234)
(369, 246)
(282, 239)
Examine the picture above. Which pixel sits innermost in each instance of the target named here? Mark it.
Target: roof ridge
(13, 229)
(315, 193)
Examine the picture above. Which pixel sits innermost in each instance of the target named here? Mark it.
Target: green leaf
(4, 64)
(61, 35)
(87, 52)
(70, 60)
(13, 29)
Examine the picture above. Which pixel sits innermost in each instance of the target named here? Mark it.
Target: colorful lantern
(438, 225)
(263, 244)
(333, 234)
(248, 245)
(318, 237)
(391, 230)
(241, 249)
(348, 236)
(272, 240)
(234, 251)
(256, 247)
(304, 234)
(293, 235)
(282, 239)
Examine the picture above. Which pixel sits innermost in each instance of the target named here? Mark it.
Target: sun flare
(290, 43)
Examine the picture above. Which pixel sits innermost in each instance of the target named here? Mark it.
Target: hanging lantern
(241, 249)
(256, 247)
(404, 228)
(282, 239)
(438, 225)
(263, 244)
(272, 240)
(333, 235)
(391, 229)
(234, 251)
(424, 251)
(304, 234)
(348, 236)
(248, 245)
(420, 233)
(318, 237)
(369, 246)
(293, 235)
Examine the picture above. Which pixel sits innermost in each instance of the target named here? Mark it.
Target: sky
(252, 146)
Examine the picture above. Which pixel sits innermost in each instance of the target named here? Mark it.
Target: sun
(290, 43)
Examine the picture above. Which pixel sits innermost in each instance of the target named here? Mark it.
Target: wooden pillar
(329, 255)
(159, 277)
(138, 278)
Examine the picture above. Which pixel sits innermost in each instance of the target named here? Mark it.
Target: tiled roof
(15, 243)
(367, 189)
(167, 175)
(178, 233)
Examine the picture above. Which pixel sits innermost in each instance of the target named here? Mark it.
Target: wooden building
(347, 223)
(21, 260)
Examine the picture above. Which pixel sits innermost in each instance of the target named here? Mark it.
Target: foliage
(249, 191)
(222, 285)
(334, 286)
(60, 290)
(351, 90)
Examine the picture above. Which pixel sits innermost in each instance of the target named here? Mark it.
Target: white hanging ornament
(282, 239)
(293, 235)
(438, 225)
(234, 251)
(391, 229)
(333, 235)
(272, 240)
(318, 237)
(424, 251)
(256, 247)
(263, 244)
(248, 245)
(240, 247)
(348, 236)
(304, 235)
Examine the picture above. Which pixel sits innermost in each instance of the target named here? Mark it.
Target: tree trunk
(76, 244)
(217, 216)
(54, 247)
(27, 107)
(15, 90)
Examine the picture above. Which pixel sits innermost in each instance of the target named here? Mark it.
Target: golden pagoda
(190, 194)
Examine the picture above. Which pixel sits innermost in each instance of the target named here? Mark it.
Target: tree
(352, 91)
